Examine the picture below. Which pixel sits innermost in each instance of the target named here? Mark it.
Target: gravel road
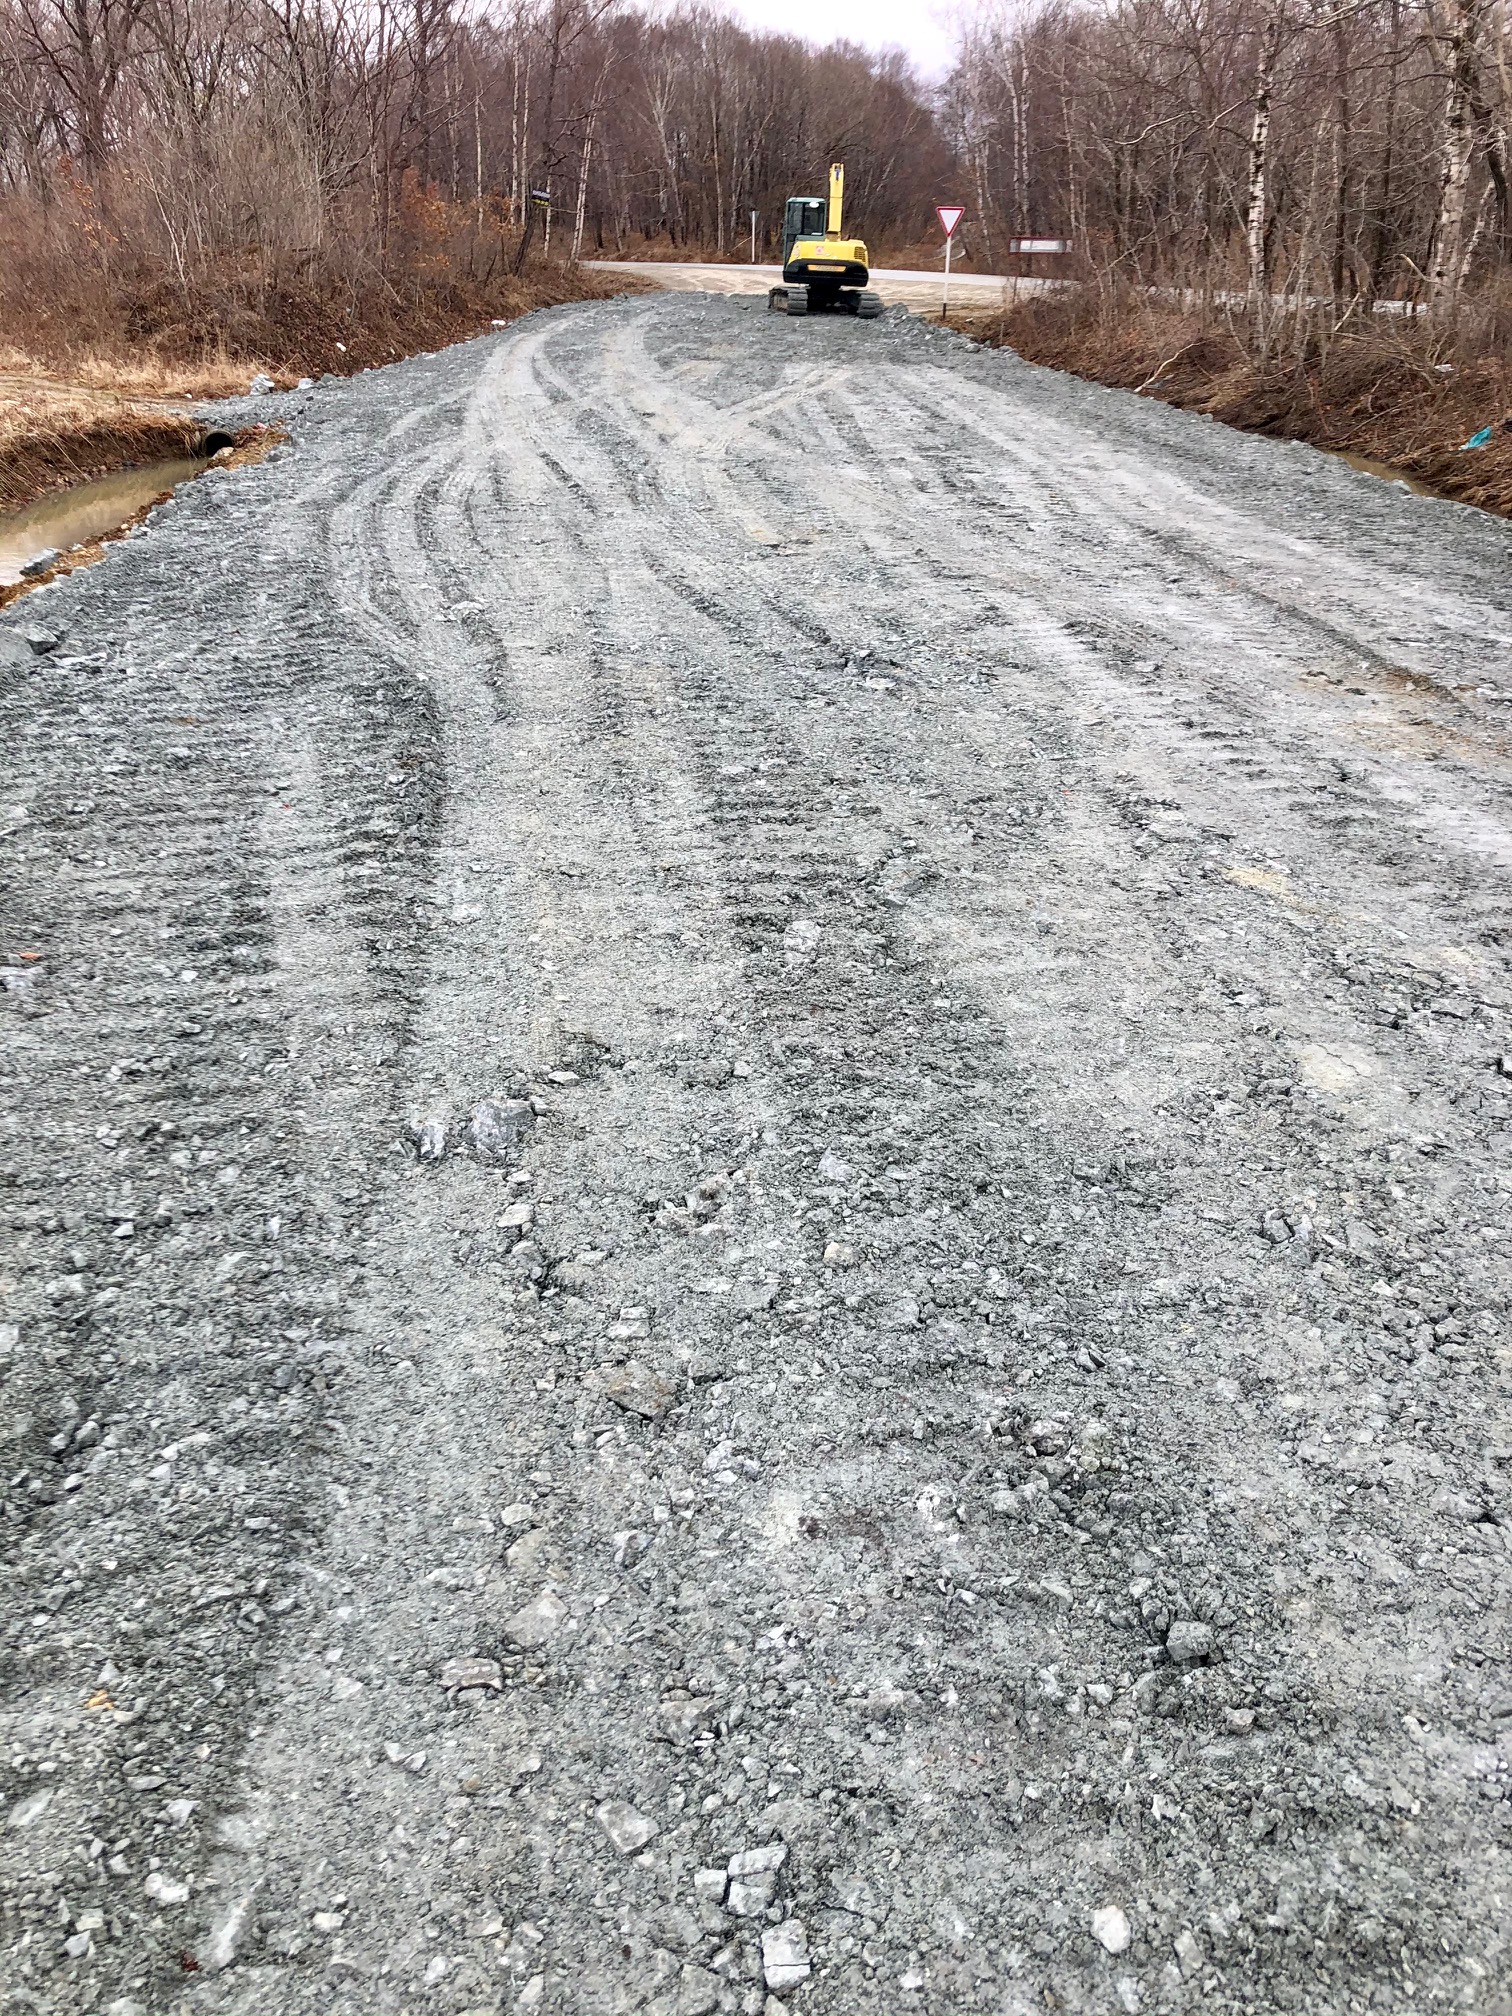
(756, 1207)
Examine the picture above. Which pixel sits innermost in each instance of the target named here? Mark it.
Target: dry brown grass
(103, 380)
(1400, 390)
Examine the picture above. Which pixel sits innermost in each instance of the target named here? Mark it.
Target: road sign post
(949, 214)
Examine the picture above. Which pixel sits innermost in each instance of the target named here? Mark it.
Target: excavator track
(789, 300)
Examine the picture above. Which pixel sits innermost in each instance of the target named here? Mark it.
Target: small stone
(749, 1896)
(226, 1934)
(525, 1555)
(1095, 1447)
(31, 1808)
(838, 1253)
(78, 1945)
(638, 1390)
(40, 562)
(328, 1921)
(683, 1720)
(516, 1515)
(429, 1134)
(751, 1296)
(471, 1672)
(41, 641)
(180, 1811)
(1239, 1721)
(800, 941)
(833, 1169)
(713, 1072)
(698, 1991)
(758, 1861)
(1111, 1929)
(166, 1889)
(538, 1621)
(632, 1323)
(709, 1885)
(261, 386)
(628, 1830)
(856, 1895)
(629, 1546)
(1188, 1640)
(1189, 1954)
(784, 1953)
(498, 1128)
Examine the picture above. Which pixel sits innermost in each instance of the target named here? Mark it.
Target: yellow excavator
(822, 273)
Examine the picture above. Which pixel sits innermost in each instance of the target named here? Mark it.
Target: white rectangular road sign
(1037, 245)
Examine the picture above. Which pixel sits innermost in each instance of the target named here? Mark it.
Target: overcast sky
(914, 25)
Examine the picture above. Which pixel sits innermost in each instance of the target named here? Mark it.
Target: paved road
(899, 286)
(757, 1206)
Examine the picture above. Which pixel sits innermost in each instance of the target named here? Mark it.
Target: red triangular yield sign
(949, 214)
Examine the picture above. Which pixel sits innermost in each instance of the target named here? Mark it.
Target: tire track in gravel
(161, 1365)
(986, 1379)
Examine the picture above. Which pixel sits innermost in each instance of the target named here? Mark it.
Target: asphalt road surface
(756, 1207)
(900, 286)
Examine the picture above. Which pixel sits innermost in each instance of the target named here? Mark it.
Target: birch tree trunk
(1462, 51)
(1259, 164)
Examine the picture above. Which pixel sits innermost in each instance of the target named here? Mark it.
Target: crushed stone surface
(755, 1207)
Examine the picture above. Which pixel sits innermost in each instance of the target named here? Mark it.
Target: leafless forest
(163, 160)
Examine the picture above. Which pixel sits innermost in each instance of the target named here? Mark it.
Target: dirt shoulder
(1395, 391)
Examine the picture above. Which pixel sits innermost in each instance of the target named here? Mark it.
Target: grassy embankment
(1405, 391)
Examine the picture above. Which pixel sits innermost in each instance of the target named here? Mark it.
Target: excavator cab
(803, 218)
(822, 271)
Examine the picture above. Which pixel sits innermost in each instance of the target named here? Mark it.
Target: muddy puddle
(1384, 470)
(88, 511)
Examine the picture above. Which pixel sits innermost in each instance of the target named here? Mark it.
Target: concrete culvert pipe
(216, 440)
